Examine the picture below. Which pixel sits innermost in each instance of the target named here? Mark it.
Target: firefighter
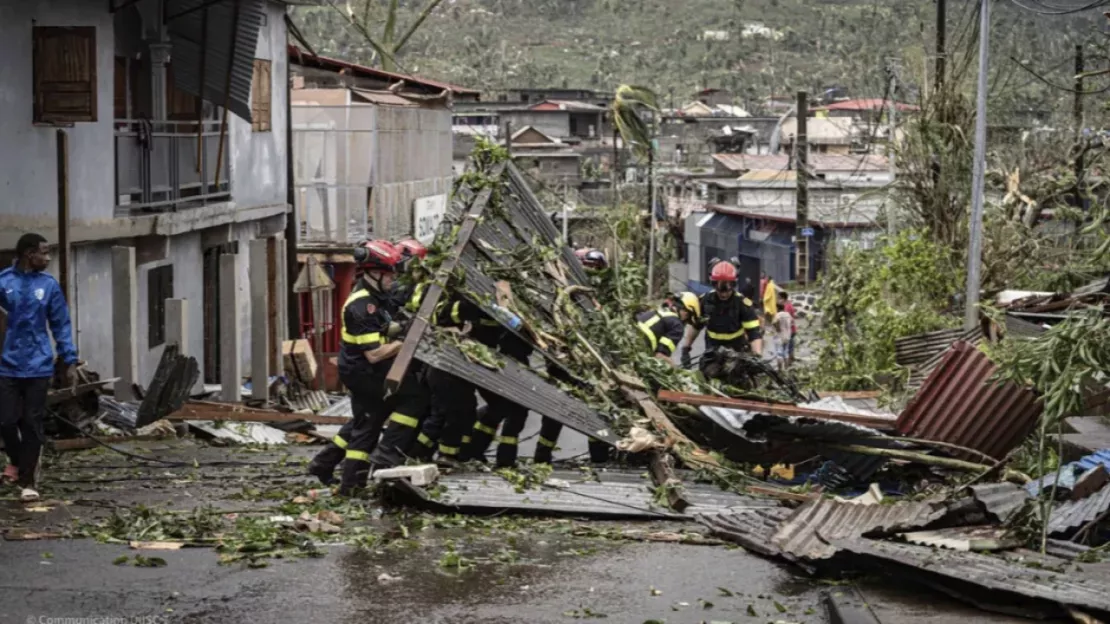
(366, 353)
(730, 320)
(663, 328)
(354, 372)
(509, 415)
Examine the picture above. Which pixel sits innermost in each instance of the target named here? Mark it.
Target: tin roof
(1075, 514)
(809, 532)
(868, 104)
(1050, 583)
(567, 105)
(751, 528)
(606, 493)
(819, 163)
(959, 404)
(306, 59)
(1000, 500)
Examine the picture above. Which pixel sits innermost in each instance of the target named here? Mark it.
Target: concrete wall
(28, 169)
(258, 159)
(413, 160)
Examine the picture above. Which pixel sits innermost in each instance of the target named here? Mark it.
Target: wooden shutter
(64, 60)
(261, 96)
(180, 105)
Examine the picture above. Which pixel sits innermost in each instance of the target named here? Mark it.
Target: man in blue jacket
(34, 303)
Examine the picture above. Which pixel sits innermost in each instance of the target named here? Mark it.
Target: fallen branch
(662, 475)
(932, 460)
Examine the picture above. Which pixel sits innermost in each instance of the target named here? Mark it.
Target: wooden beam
(691, 454)
(662, 475)
(57, 396)
(420, 324)
(776, 409)
(80, 444)
(207, 410)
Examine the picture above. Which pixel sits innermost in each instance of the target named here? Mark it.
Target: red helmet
(378, 255)
(412, 248)
(723, 272)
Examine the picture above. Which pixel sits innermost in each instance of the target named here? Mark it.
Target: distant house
(545, 158)
(830, 167)
(565, 120)
(832, 135)
(868, 109)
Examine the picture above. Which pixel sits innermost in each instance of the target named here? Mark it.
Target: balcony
(166, 166)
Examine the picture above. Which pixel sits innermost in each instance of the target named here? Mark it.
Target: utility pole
(651, 209)
(892, 123)
(942, 26)
(1077, 112)
(975, 241)
(509, 138)
(801, 157)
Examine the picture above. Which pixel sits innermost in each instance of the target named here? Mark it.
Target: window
(260, 97)
(64, 62)
(159, 287)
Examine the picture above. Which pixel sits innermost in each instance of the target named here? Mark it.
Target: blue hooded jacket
(33, 302)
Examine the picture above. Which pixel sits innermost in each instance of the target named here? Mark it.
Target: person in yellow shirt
(770, 298)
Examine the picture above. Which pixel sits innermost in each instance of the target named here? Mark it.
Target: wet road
(553, 580)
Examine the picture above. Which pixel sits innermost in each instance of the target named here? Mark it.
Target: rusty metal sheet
(991, 582)
(913, 350)
(921, 371)
(959, 404)
(751, 528)
(809, 531)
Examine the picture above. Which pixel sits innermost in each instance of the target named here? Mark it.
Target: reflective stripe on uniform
(357, 339)
(545, 442)
(750, 325)
(361, 456)
(339, 441)
(401, 419)
(448, 450)
(510, 440)
(413, 304)
(455, 313)
(466, 439)
(484, 428)
(727, 337)
(646, 328)
(485, 322)
(425, 440)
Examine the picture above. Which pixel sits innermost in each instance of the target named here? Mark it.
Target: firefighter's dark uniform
(366, 319)
(501, 411)
(356, 374)
(730, 323)
(662, 328)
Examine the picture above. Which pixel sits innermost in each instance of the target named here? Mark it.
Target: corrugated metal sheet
(1098, 458)
(1049, 588)
(920, 372)
(342, 407)
(750, 528)
(959, 405)
(1020, 328)
(1000, 500)
(977, 538)
(518, 384)
(1075, 514)
(920, 347)
(1065, 549)
(240, 432)
(612, 494)
(1067, 475)
(204, 45)
(119, 415)
(808, 533)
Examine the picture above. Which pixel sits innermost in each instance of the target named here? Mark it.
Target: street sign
(807, 232)
(428, 213)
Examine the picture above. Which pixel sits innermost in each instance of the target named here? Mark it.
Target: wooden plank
(57, 396)
(776, 409)
(662, 475)
(691, 454)
(205, 410)
(79, 444)
(420, 324)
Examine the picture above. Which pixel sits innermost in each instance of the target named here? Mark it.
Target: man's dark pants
(22, 411)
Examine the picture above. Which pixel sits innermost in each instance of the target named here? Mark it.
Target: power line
(1059, 10)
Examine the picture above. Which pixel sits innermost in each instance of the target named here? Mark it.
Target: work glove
(395, 329)
(685, 357)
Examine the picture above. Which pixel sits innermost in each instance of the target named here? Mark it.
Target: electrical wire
(1060, 10)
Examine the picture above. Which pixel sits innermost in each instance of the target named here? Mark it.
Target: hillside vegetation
(755, 48)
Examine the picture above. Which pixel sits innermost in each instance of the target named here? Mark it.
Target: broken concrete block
(299, 360)
(422, 475)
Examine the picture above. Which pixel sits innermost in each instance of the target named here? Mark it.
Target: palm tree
(633, 130)
(388, 45)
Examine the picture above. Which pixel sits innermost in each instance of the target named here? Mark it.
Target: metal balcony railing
(165, 166)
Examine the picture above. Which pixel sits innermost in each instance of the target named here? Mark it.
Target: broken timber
(420, 324)
(776, 409)
(207, 410)
(687, 451)
(663, 475)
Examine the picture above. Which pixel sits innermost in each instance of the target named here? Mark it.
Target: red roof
(306, 59)
(566, 105)
(868, 104)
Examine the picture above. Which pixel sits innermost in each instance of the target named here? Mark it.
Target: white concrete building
(155, 162)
